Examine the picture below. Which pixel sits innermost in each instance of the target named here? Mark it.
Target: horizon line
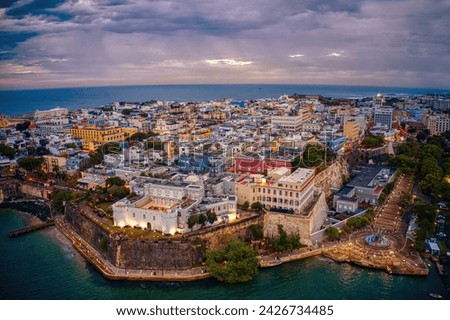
(222, 84)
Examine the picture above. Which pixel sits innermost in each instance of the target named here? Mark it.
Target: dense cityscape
(186, 190)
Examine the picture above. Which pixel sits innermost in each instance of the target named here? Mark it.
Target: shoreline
(111, 272)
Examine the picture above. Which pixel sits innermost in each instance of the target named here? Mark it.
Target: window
(134, 215)
(144, 216)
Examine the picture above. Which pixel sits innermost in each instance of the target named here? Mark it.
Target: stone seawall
(11, 189)
(217, 236)
(333, 176)
(133, 253)
(299, 225)
(36, 208)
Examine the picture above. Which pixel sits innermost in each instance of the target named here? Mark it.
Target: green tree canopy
(373, 141)
(257, 206)
(114, 181)
(7, 151)
(284, 242)
(237, 262)
(332, 233)
(31, 163)
(211, 216)
(59, 198)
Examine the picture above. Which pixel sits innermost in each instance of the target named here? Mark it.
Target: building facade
(351, 129)
(280, 190)
(93, 137)
(383, 117)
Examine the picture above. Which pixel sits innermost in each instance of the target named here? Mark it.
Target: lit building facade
(93, 137)
(279, 190)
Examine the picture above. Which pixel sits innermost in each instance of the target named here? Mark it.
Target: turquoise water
(14, 102)
(43, 265)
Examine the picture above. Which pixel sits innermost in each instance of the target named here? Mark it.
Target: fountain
(377, 240)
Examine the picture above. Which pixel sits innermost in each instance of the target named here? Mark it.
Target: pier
(30, 229)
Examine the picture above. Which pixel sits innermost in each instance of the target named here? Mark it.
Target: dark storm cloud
(169, 41)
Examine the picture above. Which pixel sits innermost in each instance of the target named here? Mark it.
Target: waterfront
(13, 102)
(43, 265)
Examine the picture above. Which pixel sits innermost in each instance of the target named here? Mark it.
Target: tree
(31, 163)
(237, 262)
(245, 205)
(126, 112)
(284, 242)
(59, 198)
(211, 216)
(202, 219)
(257, 206)
(118, 192)
(114, 181)
(7, 151)
(373, 141)
(23, 126)
(139, 136)
(256, 231)
(192, 221)
(332, 233)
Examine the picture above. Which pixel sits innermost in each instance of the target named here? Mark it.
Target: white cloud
(229, 62)
(14, 68)
(335, 54)
(297, 55)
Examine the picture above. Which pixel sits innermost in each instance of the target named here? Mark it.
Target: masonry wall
(133, 253)
(11, 189)
(333, 176)
(302, 226)
(217, 236)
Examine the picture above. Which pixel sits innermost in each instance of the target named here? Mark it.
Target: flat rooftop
(298, 176)
(368, 174)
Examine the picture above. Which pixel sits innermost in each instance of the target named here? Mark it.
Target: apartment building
(280, 189)
(93, 137)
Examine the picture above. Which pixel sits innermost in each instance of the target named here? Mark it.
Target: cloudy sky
(53, 43)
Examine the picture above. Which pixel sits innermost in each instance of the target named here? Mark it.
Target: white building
(383, 117)
(52, 120)
(165, 205)
(292, 121)
(279, 190)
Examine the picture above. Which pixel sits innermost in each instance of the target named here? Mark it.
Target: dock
(30, 229)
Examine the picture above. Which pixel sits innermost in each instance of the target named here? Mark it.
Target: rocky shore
(36, 208)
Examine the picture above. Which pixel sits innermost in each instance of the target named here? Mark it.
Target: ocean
(44, 265)
(14, 102)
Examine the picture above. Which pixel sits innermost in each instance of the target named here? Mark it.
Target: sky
(54, 43)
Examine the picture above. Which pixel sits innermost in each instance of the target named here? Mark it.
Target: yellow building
(351, 129)
(3, 121)
(93, 137)
(51, 163)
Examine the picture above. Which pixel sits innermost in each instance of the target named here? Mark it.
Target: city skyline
(97, 43)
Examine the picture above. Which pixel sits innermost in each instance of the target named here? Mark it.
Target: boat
(435, 296)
